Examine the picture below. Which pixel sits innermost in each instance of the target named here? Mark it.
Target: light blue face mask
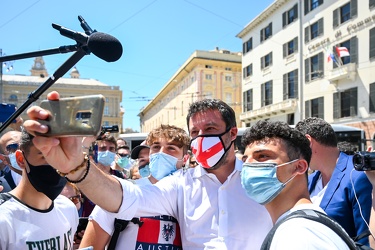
(13, 161)
(259, 179)
(123, 162)
(162, 164)
(106, 157)
(144, 171)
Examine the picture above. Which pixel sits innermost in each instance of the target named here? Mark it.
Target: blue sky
(157, 36)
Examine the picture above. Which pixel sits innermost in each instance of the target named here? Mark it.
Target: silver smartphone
(74, 116)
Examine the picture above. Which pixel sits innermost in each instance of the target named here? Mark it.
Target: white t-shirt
(22, 227)
(301, 233)
(212, 215)
(157, 232)
(318, 192)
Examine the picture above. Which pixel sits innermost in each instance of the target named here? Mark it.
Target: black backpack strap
(315, 216)
(120, 226)
(8, 177)
(4, 197)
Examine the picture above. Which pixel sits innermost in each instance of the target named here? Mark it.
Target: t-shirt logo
(168, 231)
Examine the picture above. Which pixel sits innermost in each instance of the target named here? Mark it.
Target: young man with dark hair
(208, 200)
(341, 191)
(275, 175)
(34, 215)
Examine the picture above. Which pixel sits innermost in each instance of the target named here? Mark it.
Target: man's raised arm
(66, 155)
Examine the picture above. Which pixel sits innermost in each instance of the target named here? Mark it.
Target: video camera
(110, 129)
(364, 160)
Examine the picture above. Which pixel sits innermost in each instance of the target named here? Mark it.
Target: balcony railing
(347, 71)
(287, 106)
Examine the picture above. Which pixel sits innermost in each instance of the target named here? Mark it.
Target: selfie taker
(215, 185)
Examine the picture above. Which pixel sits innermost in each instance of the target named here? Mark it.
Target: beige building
(16, 88)
(288, 73)
(205, 74)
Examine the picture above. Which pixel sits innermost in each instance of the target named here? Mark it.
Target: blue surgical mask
(13, 161)
(144, 171)
(162, 164)
(106, 157)
(259, 179)
(123, 162)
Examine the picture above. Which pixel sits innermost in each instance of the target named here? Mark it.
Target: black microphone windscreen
(105, 46)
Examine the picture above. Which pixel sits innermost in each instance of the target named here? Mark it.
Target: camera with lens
(364, 160)
(110, 129)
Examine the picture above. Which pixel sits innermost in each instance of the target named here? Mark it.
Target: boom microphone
(100, 44)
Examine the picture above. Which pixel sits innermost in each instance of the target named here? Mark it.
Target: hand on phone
(75, 116)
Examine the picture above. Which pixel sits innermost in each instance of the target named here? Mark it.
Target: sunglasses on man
(11, 148)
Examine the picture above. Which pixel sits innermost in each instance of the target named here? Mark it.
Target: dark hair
(227, 113)
(26, 141)
(347, 147)
(297, 144)
(109, 138)
(124, 147)
(318, 129)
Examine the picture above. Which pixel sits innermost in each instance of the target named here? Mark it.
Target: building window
(372, 43)
(208, 77)
(266, 94)
(248, 71)
(266, 32)
(311, 5)
(344, 13)
(345, 103)
(290, 15)
(314, 108)
(371, 4)
(248, 100)
(208, 66)
(13, 98)
(228, 78)
(228, 69)
(290, 85)
(247, 46)
(314, 67)
(290, 47)
(229, 98)
(314, 30)
(352, 46)
(106, 110)
(372, 97)
(266, 61)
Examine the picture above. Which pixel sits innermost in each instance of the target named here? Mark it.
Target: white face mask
(13, 161)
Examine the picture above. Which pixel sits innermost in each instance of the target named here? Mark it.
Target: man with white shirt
(208, 200)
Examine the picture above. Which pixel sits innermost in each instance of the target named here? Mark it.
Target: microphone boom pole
(33, 96)
(61, 49)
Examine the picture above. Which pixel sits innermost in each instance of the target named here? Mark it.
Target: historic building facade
(311, 58)
(206, 74)
(16, 89)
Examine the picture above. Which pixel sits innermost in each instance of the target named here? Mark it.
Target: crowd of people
(180, 190)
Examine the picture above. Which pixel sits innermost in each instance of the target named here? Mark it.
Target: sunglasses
(194, 163)
(123, 155)
(75, 199)
(11, 148)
